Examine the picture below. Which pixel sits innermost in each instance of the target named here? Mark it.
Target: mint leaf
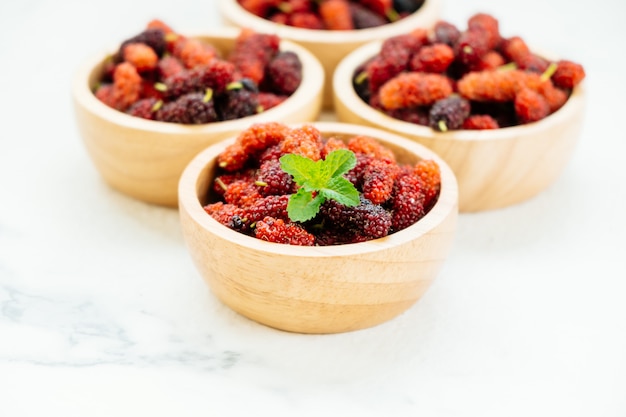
(325, 177)
(299, 167)
(339, 161)
(342, 191)
(302, 206)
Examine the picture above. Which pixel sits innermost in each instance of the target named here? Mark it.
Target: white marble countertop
(102, 312)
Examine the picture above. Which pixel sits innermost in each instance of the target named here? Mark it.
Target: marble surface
(103, 314)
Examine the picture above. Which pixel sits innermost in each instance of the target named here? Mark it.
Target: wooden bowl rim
(235, 13)
(345, 69)
(313, 80)
(447, 202)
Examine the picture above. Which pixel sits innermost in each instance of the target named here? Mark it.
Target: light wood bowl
(321, 289)
(494, 168)
(144, 158)
(331, 46)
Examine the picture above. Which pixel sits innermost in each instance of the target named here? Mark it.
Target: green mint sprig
(324, 178)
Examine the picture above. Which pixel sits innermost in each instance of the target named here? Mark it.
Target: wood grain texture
(318, 289)
(494, 168)
(144, 158)
(330, 47)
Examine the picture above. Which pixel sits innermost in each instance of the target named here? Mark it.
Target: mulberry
(141, 56)
(497, 86)
(448, 113)
(480, 122)
(279, 231)
(378, 179)
(154, 37)
(305, 141)
(336, 15)
(371, 147)
(433, 58)
(530, 106)
(414, 89)
(366, 219)
(445, 32)
(364, 18)
(269, 100)
(239, 100)
(430, 174)
(407, 201)
(272, 180)
(194, 53)
(284, 73)
(568, 74)
(242, 193)
(252, 52)
(145, 108)
(306, 20)
(272, 205)
(261, 136)
(125, 89)
(191, 108)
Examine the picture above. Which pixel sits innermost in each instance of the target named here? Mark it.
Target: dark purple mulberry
(365, 219)
(192, 108)
(449, 113)
(445, 32)
(216, 76)
(363, 18)
(284, 73)
(239, 100)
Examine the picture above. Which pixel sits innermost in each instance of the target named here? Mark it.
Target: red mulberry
(430, 174)
(568, 74)
(433, 58)
(414, 89)
(530, 106)
(279, 231)
(407, 201)
(480, 122)
(141, 56)
(378, 179)
(336, 15)
(272, 180)
(497, 86)
(252, 52)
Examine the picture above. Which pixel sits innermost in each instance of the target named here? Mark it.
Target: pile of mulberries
(250, 191)
(162, 75)
(332, 14)
(448, 78)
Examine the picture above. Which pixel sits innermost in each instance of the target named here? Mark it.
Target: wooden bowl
(331, 46)
(494, 168)
(144, 158)
(319, 289)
